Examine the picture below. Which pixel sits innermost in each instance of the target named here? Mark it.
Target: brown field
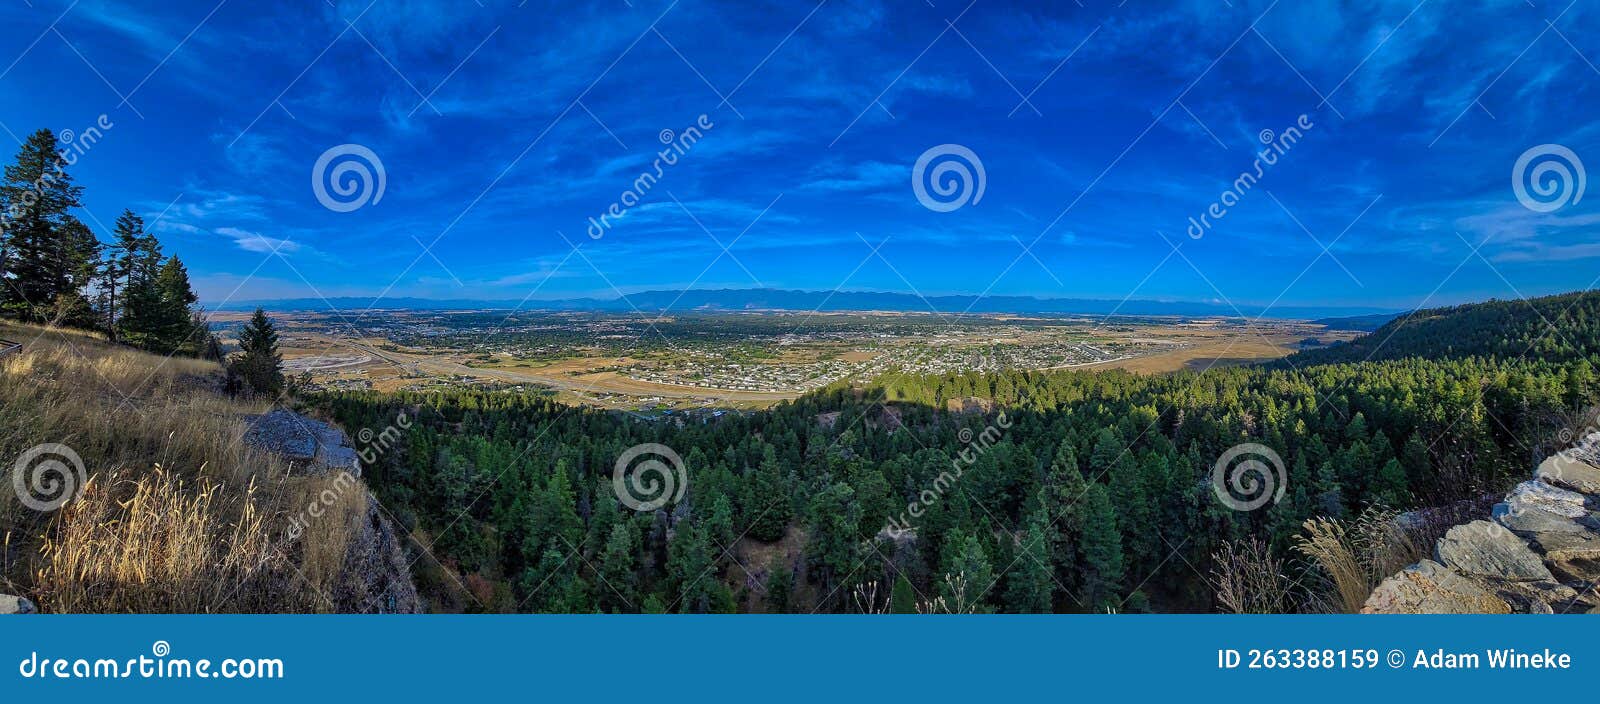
(589, 377)
(1203, 349)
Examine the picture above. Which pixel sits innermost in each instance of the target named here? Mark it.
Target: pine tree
(1389, 488)
(117, 266)
(835, 542)
(78, 251)
(38, 263)
(1064, 489)
(691, 571)
(143, 310)
(618, 579)
(766, 499)
(780, 587)
(967, 575)
(178, 332)
(903, 600)
(1031, 581)
(1102, 550)
(258, 364)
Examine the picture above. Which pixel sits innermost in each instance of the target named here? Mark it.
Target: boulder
(1431, 588)
(1489, 550)
(10, 604)
(1534, 520)
(1566, 471)
(310, 445)
(1544, 597)
(1544, 497)
(376, 576)
(1573, 556)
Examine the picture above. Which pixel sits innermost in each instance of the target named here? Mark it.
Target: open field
(739, 360)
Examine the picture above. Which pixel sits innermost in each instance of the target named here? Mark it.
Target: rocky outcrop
(1429, 587)
(1538, 553)
(376, 575)
(10, 604)
(311, 446)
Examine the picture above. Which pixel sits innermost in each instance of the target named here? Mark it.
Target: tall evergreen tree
(37, 263)
(1030, 579)
(258, 364)
(1102, 550)
(619, 580)
(78, 252)
(144, 312)
(903, 599)
(180, 328)
(968, 575)
(117, 266)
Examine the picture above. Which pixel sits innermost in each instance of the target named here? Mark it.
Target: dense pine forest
(1554, 327)
(1068, 491)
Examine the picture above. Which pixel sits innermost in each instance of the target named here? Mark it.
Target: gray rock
(1488, 549)
(10, 604)
(1575, 557)
(1544, 497)
(375, 576)
(310, 445)
(1431, 588)
(1534, 520)
(1543, 597)
(1569, 472)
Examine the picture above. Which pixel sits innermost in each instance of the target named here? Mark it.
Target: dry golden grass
(177, 513)
(1354, 558)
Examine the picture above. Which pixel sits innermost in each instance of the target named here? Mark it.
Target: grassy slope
(177, 514)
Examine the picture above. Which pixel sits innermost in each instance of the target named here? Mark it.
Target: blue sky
(539, 115)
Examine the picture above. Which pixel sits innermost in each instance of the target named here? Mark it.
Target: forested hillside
(1562, 327)
(1080, 491)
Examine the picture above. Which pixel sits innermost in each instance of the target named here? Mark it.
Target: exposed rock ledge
(1539, 553)
(11, 604)
(377, 574)
(375, 577)
(310, 445)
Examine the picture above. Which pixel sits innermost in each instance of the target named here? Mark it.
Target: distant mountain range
(703, 300)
